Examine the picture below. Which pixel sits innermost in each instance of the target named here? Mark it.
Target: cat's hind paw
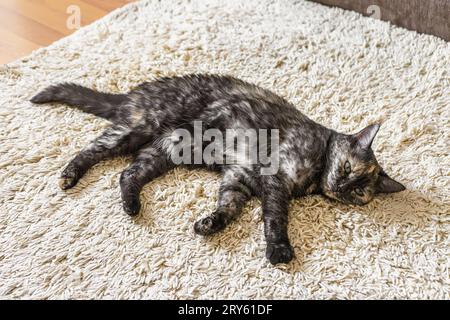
(131, 206)
(279, 253)
(208, 226)
(68, 179)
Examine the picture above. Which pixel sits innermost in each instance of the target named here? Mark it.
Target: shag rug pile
(341, 69)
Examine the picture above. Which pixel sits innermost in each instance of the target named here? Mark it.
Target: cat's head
(352, 173)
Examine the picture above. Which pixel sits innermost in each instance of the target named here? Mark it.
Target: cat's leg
(233, 193)
(149, 164)
(116, 140)
(275, 205)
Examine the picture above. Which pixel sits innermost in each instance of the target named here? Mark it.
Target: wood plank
(89, 13)
(36, 11)
(27, 28)
(12, 45)
(26, 25)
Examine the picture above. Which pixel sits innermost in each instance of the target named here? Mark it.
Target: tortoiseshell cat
(312, 159)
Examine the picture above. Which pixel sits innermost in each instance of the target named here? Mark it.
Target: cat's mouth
(331, 194)
(343, 199)
(336, 196)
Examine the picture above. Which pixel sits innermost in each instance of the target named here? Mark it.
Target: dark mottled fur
(313, 159)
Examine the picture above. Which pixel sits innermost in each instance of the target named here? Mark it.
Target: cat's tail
(101, 104)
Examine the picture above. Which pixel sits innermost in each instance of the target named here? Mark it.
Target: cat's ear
(365, 137)
(386, 184)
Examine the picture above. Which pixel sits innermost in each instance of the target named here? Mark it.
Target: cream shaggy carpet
(342, 69)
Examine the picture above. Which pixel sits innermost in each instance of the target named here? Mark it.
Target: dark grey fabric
(424, 16)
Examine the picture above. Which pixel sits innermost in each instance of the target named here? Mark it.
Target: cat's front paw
(69, 178)
(279, 253)
(208, 226)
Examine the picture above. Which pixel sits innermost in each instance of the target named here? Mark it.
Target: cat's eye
(347, 167)
(359, 192)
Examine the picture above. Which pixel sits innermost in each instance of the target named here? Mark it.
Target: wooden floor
(26, 25)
